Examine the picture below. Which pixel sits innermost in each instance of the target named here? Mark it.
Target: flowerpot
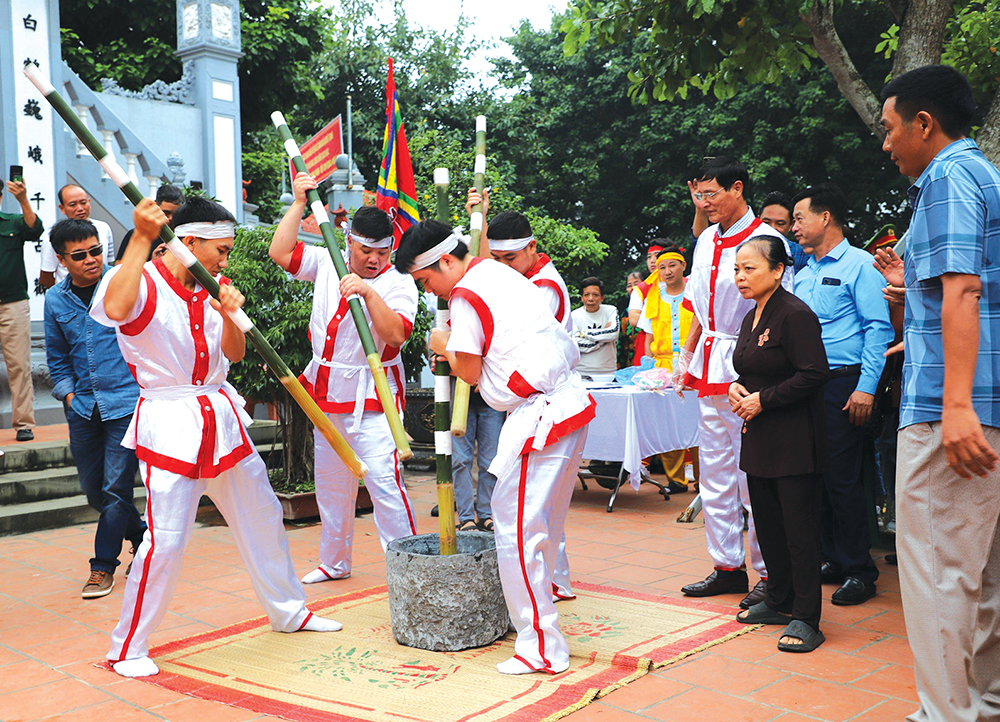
(303, 504)
(298, 506)
(418, 416)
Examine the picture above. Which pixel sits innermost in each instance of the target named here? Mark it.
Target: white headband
(510, 244)
(203, 229)
(433, 255)
(371, 242)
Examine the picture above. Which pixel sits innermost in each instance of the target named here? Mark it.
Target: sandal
(467, 525)
(797, 629)
(760, 613)
(485, 525)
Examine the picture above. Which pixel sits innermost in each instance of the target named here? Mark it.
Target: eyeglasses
(708, 196)
(81, 254)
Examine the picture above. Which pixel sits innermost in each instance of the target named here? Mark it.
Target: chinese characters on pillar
(35, 153)
(32, 109)
(30, 23)
(37, 198)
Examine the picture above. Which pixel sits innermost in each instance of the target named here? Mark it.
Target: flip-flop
(468, 525)
(485, 524)
(797, 629)
(760, 613)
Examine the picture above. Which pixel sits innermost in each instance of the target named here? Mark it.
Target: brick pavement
(50, 638)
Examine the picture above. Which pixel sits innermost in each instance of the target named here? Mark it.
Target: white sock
(513, 665)
(320, 624)
(141, 667)
(322, 573)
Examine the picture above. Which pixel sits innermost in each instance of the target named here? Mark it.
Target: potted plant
(281, 307)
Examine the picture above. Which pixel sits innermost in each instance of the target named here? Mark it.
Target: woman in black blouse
(782, 366)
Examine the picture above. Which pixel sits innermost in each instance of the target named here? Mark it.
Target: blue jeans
(107, 475)
(484, 427)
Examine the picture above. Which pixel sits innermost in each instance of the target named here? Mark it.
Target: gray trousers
(948, 540)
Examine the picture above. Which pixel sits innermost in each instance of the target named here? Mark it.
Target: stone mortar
(445, 603)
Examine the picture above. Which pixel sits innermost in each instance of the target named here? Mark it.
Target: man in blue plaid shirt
(947, 526)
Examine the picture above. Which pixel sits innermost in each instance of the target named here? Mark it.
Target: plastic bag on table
(624, 376)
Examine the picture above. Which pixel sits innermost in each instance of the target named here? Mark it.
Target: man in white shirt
(595, 330)
(73, 203)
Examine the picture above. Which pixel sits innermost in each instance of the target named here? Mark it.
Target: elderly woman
(782, 366)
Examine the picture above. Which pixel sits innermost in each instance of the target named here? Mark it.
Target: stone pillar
(208, 33)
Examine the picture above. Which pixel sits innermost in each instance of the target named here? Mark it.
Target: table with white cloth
(631, 425)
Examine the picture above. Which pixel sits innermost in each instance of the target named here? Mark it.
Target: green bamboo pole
(442, 396)
(201, 274)
(460, 409)
(357, 313)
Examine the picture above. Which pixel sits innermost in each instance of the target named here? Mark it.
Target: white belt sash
(363, 390)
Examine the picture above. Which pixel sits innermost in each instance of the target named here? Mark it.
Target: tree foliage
(719, 46)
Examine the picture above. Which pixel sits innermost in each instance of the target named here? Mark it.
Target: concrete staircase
(40, 489)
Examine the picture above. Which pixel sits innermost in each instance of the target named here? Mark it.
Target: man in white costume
(706, 365)
(340, 380)
(504, 338)
(188, 428)
(509, 240)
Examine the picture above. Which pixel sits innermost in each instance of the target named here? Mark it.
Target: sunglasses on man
(82, 253)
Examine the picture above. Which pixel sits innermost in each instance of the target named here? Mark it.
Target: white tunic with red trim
(528, 359)
(338, 377)
(712, 295)
(544, 275)
(189, 420)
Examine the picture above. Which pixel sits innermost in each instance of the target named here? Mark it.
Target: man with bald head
(73, 203)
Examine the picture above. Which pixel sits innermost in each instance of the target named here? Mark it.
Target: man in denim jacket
(99, 394)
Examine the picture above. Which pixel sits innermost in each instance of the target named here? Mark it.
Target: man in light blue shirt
(99, 394)
(842, 287)
(948, 484)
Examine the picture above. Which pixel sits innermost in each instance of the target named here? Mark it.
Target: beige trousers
(15, 340)
(948, 540)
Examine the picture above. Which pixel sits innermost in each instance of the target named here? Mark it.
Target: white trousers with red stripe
(723, 487)
(245, 499)
(337, 489)
(529, 515)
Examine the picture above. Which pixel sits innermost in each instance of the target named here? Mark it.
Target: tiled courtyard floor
(50, 638)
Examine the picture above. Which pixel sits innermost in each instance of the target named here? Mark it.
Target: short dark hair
(198, 209)
(658, 243)
(777, 198)
(772, 249)
(672, 248)
(422, 237)
(70, 230)
(826, 197)
(940, 90)
(592, 281)
(509, 224)
(67, 187)
(371, 222)
(725, 170)
(169, 194)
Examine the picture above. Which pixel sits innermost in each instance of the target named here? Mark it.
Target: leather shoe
(830, 573)
(719, 582)
(853, 591)
(757, 594)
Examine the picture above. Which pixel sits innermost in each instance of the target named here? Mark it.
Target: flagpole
(291, 383)
(357, 312)
(460, 408)
(442, 395)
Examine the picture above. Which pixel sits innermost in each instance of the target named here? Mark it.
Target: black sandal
(797, 629)
(485, 525)
(468, 525)
(760, 613)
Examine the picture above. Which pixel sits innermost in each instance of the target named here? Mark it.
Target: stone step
(53, 513)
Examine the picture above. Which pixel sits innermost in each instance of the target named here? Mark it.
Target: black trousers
(786, 514)
(846, 538)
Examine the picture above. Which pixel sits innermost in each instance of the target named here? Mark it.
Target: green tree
(720, 46)
(582, 152)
